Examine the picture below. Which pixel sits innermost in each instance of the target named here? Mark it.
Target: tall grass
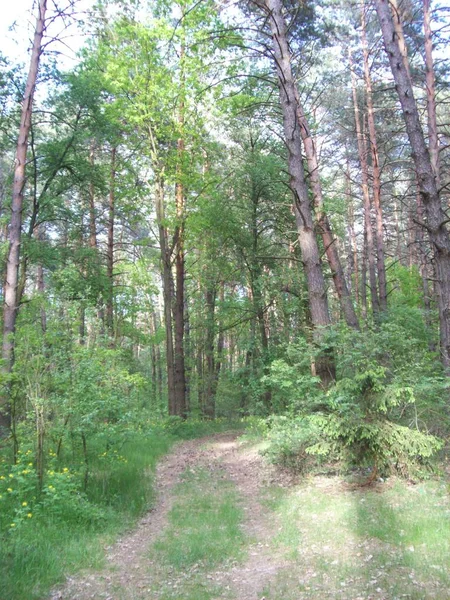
(71, 532)
(88, 497)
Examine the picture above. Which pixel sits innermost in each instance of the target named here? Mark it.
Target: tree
(318, 303)
(395, 46)
(11, 305)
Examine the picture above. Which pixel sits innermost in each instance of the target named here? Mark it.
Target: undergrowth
(83, 503)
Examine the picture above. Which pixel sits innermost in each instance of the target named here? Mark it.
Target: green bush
(375, 414)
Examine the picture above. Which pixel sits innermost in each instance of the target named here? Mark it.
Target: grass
(360, 544)
(204, 523)
(204, 532)
(71, 533)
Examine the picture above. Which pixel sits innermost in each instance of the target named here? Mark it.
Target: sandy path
(130, 574)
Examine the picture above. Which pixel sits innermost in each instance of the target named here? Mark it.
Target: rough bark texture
(362, 153)
(435, 216)
(353, 255)
(11, 306)
(329, 241)
(317, 294)
(179, 302)
(376, 173)
(91, 200)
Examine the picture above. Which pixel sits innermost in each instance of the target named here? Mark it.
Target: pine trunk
(376, 175)
(435, 216)
(329, 240)
(362, 153)
(317, 293)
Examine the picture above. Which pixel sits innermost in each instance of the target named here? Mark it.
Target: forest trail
(131, 573)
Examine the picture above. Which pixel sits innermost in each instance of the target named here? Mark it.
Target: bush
(371, 417)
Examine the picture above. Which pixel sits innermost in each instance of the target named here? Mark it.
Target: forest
(215, 216)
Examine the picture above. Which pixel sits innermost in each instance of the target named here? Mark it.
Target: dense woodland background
(226, 209)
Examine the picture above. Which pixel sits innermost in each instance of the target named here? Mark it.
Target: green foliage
(67, 526)
(371, 416)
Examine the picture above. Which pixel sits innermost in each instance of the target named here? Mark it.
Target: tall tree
(376, 171)
(317, 293)
(436, 220)
(11, 305)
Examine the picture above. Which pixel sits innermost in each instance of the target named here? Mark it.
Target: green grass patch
(204, 523)
(391, 543)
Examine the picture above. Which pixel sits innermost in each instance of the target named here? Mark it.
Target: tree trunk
(210, 405)
(376, 175)
(353, 258)
(362, 153)
(178, 308)
(110, 247)
(433, 140)
(11, 307)
(329, 241)
(305, 226)
(436, 218)
(167, 284)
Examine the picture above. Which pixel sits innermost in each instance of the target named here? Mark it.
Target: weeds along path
(210, 469)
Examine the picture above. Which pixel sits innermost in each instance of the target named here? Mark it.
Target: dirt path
(130, 574)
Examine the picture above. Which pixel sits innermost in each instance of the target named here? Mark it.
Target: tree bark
(167, 284)
(329, 241)
(11, 306)
(376, 174)
(433, 140)
(110, 246)
(353, 255)
(436, 218)
(362, 153)
(305, 225)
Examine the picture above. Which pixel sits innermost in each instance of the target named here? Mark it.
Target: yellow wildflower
(11, 475)
(65, 470)
(24, 503)
(13, 524)
(29, 515)
(9, 490)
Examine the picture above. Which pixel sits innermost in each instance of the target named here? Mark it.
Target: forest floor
(227, 526)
